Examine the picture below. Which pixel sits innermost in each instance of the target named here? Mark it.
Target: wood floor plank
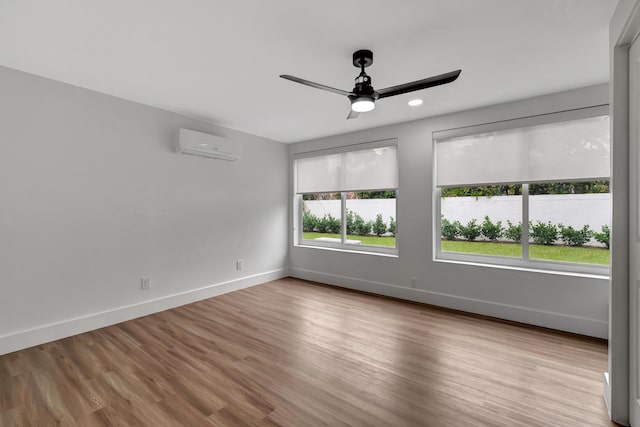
(294, 353)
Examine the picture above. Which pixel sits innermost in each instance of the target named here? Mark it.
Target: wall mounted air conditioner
(206, 145)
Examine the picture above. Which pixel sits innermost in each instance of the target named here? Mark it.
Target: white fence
(368, 209)
(574, 210)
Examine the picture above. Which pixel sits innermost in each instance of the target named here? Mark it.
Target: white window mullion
(525, 221)
(343, 220)
(300, 215)
(437, 232)
(395, 218)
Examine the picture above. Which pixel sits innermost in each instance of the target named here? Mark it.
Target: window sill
(527, 269)
(388, 254)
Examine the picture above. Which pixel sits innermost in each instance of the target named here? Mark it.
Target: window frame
(343, 230)
(523, 262)
(298, 231)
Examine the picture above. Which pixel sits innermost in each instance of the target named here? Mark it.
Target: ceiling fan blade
(440, 79)
(316, 85)
(353, 115)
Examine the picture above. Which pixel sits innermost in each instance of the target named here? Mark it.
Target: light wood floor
(298, 354)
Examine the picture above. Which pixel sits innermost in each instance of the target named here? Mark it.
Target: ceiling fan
(363, 97)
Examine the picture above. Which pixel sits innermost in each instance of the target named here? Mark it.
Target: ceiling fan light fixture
(363, 104)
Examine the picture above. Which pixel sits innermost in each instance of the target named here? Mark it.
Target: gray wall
(92, 198)
(566, 302)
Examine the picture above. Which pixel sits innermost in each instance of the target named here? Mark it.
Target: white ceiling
(219, 60)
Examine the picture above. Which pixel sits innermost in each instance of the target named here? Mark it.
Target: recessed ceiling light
(415, 102)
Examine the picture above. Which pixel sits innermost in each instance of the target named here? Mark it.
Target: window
(491, 215)
(531, 192)
(346, 198)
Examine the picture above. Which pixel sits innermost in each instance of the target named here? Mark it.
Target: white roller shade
(359, 170)
(568, 150)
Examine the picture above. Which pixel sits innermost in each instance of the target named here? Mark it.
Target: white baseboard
(55, 331)
(563, 322)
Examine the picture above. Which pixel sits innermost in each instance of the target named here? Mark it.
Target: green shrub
(334, 224)
(322, 225)
(329, 224)
(492, 231)
(351, 222)
(392, 226)
(471, 231)
(514, 231)
(543, 234)
(361, 227)
(449, 230)
(369, 227)
(309, 221)
(604, 236)
(573, 237)
(379, 226)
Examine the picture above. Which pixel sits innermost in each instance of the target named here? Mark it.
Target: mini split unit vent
(206, 145)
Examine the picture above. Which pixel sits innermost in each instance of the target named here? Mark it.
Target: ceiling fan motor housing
(363, 87)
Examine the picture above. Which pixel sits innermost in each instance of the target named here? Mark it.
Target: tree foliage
(387, 194)
(588, 187)
(486, 191)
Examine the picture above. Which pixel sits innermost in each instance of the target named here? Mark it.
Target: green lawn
(551, 253)
(365, 240)
(584, 255)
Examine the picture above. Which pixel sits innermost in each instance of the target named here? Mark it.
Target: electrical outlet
(239, 264)
(413, 282)
(145, 283)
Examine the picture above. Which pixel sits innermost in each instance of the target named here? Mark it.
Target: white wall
(566, 302)
(92, 198)
(368, 209)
